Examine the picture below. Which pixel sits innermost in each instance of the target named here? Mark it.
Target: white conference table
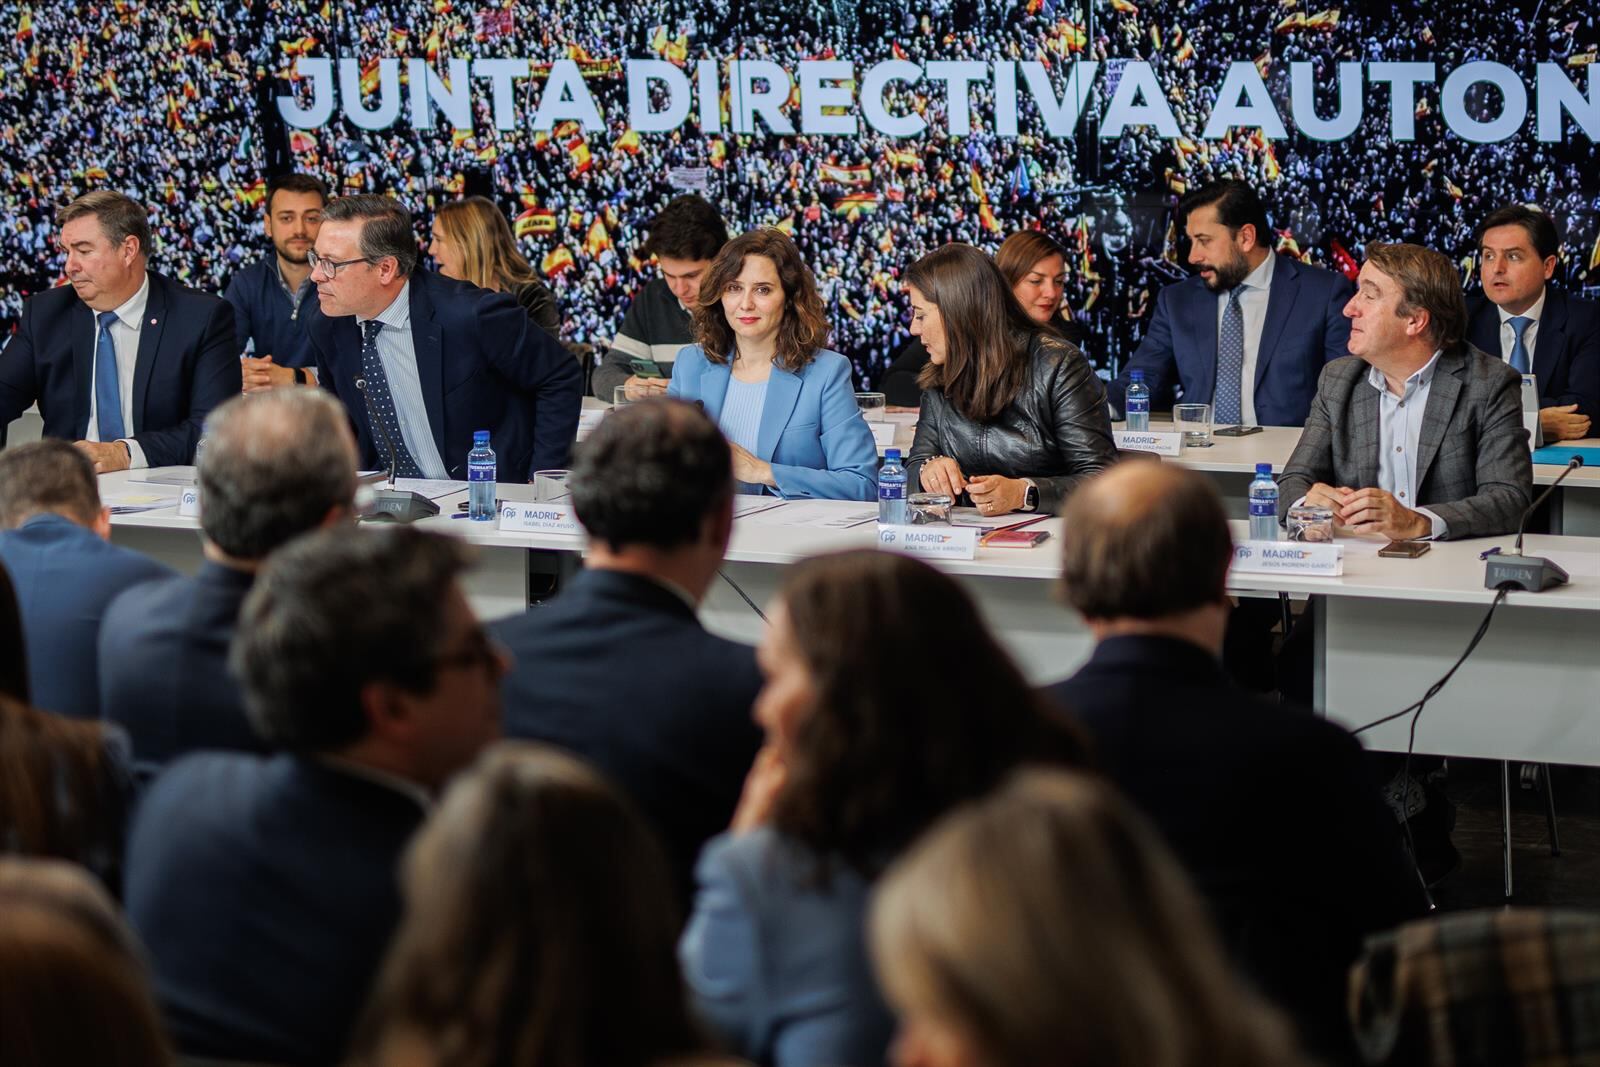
(1388, 627)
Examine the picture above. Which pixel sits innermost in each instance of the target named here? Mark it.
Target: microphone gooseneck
(372, 417)
(1572, 464)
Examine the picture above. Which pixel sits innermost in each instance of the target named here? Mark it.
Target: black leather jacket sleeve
(1056, 431)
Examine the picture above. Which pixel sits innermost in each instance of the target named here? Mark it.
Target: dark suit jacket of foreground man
(1269, 807)
(1473, 466)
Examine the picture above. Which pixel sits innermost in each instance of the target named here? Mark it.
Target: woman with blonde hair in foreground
(1047, 924)
(538, 932)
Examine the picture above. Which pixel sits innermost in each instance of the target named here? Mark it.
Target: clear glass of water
(874, 406)
(1194, 422)
(550, 485)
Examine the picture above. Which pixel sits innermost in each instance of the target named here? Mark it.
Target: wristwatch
(299, 376)
(1030, 499)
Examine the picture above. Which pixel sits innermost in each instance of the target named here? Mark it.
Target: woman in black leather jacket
(1012, 414)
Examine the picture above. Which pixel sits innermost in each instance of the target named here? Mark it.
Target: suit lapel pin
(152, 322)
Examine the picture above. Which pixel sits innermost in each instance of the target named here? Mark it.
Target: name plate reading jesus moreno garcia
(1288, 557)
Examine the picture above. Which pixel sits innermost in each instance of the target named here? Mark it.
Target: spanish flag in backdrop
(558, 261)
(532, 221)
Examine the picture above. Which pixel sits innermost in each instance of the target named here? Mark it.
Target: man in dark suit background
(276, 464)
(123, 361)
(1250, 333)
(265, 889)
(617, 668)
(436, 359)
(55, 541)
(1419, 434)
(1270, 808)
(270, 296)
(1534, 326)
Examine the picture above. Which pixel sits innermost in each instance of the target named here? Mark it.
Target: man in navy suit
(432, 359)
(618, 669)
(1532, 325)
(276, 465)
(123, 361)
(1269, 807)
(1249, 334)
(265, 888)
(56, 544)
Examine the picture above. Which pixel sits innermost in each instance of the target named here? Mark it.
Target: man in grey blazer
(1420, 435)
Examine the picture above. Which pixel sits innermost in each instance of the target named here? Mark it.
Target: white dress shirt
(1253, 294)
(1508, 336)
(1400, 420)
(398, 354)
(125, 341)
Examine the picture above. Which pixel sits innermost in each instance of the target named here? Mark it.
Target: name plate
(519, 517)
(189, 502)
(933, 542)
(1289, 557)
(1162, 442)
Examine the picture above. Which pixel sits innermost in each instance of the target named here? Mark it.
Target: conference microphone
(391, 504)
(1532, 574)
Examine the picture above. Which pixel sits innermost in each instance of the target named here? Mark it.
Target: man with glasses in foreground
(265, 888)
(422, 361)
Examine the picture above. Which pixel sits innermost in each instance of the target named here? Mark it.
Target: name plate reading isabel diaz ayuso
(1159, 442)
(934, 542)
(519, 517)
(1324, 559)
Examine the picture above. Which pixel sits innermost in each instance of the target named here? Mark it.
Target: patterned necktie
(1519, 348)
(1228, 399)
(107, 388)
(381, 407)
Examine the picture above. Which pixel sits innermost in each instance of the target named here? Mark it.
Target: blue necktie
(1229, 395)
(1519, 348)
(107, 389)
(382, 402)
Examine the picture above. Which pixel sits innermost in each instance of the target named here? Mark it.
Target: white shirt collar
(132, 310)
(397, 316)
(1261, 277)
(1532, 313)
(1423, 376)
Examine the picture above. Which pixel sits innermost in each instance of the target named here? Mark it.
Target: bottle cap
(891, 453)
(480, 437)
(1136, 375)
(1263, 468)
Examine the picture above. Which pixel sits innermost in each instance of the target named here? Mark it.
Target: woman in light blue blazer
(786, 403)
(860, 757)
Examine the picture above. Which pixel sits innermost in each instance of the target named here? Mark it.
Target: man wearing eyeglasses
(423, 361)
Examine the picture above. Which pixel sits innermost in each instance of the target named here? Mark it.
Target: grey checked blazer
(1473, 466)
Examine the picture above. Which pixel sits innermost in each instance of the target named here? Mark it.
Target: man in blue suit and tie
(1534, 326)
(56, 544)
(1250, 333)
(432, 359)
(123, 361)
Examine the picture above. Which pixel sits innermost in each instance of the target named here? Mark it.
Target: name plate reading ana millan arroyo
(518, 517)
(189, 502)
(1288, 557)
(933, 542)
(1161, 443)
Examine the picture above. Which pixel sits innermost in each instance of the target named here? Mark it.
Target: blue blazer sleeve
(538, 364)
(720, 952)
(850, 456)
(1155, 356)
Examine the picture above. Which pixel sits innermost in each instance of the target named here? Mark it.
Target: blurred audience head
(1035, 267)
(73, 989)
(472, 242)
(887, 700)
(50, 477)
(539, 928)
(1149, 548)
(276, 464)
(759, 291)
(1047, 923)
(684, 238)
(360, 643)
(976, 334)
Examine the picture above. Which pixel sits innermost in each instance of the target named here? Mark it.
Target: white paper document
(432, 488)
(750, 504)
(820, 514)
(130, 503)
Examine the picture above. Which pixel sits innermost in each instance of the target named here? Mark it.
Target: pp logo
(1243, 552)
(509, 514)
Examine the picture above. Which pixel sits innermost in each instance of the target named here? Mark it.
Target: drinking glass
(550, 485)
(874, 406)
(1194, 422)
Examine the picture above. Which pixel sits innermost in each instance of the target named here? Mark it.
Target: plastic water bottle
(1263, 505)
(480, 478)
(1137, 403)
(892, 490)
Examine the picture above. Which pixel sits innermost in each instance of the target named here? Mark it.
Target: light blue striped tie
(107, 389)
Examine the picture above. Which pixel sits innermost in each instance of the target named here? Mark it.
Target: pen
(1495, 551)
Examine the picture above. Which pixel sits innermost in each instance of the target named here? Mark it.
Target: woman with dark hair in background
(1048, 923)
(1012, 414)
(1035, 267)
(538, 930)
(762, 372)
(861, 755)
(73, 989)
(472, 242)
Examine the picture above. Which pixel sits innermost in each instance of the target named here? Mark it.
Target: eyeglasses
(480, 650)
(331, 266)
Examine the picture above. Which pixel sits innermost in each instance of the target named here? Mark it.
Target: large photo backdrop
(873, 131)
